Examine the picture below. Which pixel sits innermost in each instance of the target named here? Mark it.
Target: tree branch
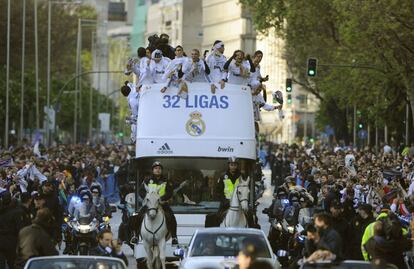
(309, 89)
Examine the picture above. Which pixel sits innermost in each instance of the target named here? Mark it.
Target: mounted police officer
(226, 185)
(166, 193)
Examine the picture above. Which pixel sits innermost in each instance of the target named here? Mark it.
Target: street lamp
(81, 23)
(49, 29)
(6, 136)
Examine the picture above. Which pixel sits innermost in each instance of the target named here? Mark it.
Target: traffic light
(289, 99)
(288, 85)
(360, 126)
(312, 63)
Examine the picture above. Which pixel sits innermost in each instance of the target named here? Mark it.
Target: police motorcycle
(84, 225)
(284, 230)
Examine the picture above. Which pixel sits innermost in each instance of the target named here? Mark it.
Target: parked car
(219, 247)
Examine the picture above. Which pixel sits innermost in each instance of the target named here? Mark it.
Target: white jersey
(133, 100)
(215, 62)
(256, 75)
(258, 103)
(173, 68)
(132, 66)
(158, 69)
(196, 72)
(178, 61)
(145, 76)
(239, 75)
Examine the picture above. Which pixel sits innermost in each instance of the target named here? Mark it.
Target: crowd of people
(160, 63)
(36, 190)
(351, 204)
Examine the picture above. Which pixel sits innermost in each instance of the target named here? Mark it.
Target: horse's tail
(156, 261)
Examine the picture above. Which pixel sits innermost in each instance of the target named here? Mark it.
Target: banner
(202, 125)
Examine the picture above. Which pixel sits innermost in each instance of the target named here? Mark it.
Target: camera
(153, 41)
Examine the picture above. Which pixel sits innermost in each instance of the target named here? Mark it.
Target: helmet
(96, 186)
(86, 194)
(81, 188)
(281, 191)
(232, 159)
(294, 197)
(156, 163)
(289, 179)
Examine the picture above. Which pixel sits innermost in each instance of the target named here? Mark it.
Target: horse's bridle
(153, 208)
(236, 208)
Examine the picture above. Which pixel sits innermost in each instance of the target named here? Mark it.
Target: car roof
(66, 257)
(75, 257)
(222, 230)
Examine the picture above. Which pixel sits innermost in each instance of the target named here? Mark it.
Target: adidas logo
(165, 149)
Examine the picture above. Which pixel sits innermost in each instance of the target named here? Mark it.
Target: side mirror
(179, 252)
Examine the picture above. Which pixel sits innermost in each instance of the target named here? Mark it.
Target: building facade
(180, 19)
(226, 20)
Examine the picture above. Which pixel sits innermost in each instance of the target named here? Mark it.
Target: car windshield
(207, 244)
(74, 263)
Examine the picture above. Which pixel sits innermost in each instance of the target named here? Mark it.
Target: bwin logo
(228, 149)
(165, 149)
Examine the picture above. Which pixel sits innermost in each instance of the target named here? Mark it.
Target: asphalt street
(265, 201)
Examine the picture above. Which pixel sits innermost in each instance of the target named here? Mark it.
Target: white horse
(154, 229)
(239, 205)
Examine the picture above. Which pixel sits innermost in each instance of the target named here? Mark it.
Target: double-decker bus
(193, 139)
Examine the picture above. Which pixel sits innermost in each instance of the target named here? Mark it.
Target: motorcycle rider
(166, 193)
(75, 200)
(86, 208)
(101, 205)
(306, 211)
(227, 184)
(291, 212)
(74, 203)
(276, 209)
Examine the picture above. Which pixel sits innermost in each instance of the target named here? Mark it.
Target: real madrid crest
(195, 126)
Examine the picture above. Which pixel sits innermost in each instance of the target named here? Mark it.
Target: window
(199, 193)
(230, 244)
(168, 23)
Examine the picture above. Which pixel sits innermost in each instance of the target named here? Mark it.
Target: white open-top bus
(193, 139)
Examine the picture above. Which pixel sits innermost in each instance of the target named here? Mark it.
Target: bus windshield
(194, 181)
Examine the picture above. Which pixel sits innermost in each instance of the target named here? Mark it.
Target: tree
(346, 32)
(63, 62)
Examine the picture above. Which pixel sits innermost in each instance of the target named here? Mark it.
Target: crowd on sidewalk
(352, 204)
(36, 187)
